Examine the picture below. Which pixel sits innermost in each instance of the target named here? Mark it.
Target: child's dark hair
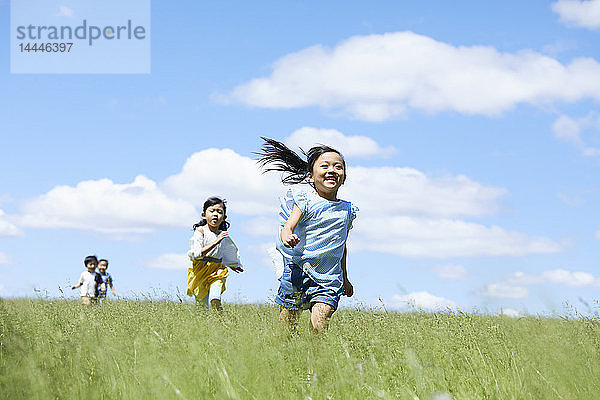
(103, 259)
(211, 201)
(90, 259)
(276, 156)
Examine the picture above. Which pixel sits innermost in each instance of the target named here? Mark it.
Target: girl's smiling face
(214, 216)
(328, 175)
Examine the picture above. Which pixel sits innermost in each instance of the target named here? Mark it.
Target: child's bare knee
(320, 315)
(288, 315)
(323, 309)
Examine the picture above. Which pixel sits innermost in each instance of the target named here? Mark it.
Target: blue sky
(471, 131)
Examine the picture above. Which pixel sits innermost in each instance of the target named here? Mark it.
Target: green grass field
(57, 349)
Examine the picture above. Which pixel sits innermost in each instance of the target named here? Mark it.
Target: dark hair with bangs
(90, 259)
(211, 201)
(276, 156)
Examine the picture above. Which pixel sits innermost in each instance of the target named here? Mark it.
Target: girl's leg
(289, 316)
(203, 302)
(214, 296)
(320, 315)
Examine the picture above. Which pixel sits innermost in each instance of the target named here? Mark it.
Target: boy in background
(87, 281)
(104, 280)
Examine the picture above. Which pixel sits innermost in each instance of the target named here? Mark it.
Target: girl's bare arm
(198, 250)
(212, 245)
(348, 289)
(288, 237)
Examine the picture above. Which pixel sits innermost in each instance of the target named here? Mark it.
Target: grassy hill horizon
(132, 349)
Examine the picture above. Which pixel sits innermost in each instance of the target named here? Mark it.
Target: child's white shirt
(226, 251)
(202, 238)
(88, 284)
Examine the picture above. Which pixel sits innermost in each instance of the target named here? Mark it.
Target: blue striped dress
(323, 231)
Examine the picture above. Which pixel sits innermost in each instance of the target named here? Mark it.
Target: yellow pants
(202, 275)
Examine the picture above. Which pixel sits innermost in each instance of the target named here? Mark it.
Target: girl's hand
(237, 268)
(348, 289)
(291, 240)
(222, 236)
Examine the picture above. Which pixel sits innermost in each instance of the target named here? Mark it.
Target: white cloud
(226, 174)
(513, 286)
(5, 259)
(598, 234)
(591, 152)
(411, 214)
(405, 212)
(570, 200)
(349, 146)
(405, 190)
(558, 47)
(568, 278)
(521, 278)
(442, 238)
(261, 226)
(504, 290)
(421, 300)
(378, 77)
(449, 271)
(394, 190)
(8, 228)
(105, 206)
(268, 256)
(585, 14)
(509, 312)
(169, 261)
(65, 11)
(570, 130)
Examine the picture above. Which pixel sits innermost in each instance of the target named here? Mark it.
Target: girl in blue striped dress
(314, 229)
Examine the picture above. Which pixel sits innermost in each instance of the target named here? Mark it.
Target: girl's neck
(327, 196)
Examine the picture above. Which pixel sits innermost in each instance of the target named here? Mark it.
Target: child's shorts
(297, 290)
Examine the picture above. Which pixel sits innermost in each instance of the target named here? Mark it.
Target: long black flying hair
(276, 156)
(211, 201)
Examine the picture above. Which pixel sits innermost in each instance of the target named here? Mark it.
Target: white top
(226, 251)
(88, 284)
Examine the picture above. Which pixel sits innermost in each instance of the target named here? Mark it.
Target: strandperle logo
(85, 31)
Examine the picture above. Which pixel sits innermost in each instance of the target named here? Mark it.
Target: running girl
(212, 251)
(314, 229)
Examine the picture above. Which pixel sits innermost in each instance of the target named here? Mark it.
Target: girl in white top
(212, 251)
